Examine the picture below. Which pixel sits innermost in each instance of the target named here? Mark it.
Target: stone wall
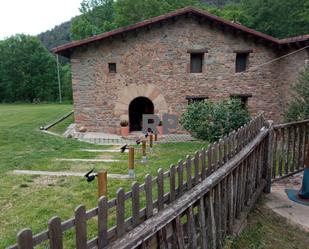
(154, 63)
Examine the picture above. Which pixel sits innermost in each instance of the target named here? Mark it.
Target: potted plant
(124, 128)
(160, 128)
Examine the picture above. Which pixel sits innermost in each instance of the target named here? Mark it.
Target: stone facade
(155, 63)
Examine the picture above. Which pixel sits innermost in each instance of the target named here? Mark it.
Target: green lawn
(29, 201)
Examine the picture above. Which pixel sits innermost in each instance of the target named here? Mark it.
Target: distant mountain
(59, 35)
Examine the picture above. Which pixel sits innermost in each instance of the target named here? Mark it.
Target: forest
(28, 70)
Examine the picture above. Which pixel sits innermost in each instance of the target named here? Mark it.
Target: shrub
(212, 120)
(298, 108)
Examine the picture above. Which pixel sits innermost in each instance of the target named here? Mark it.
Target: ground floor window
(196, 98)
(242, 97)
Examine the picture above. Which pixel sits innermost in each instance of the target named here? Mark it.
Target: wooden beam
(243, 51)
(197, 51)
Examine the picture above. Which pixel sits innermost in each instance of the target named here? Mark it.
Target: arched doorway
(138, 107)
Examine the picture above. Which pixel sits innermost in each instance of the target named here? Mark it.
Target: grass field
(267, 230)
(29, 201)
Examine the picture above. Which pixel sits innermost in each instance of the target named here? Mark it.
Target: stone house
(161, 64)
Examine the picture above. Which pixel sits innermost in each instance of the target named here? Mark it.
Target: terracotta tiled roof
(66, 49)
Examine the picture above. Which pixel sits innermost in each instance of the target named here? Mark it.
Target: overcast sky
(34, 16)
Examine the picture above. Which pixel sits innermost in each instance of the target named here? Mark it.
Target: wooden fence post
(151, 142)
(131, 162)
(24, 239)
(55, 233)
(269, 157)
(80, 227)
(144, 157)
(102, 183)
(102, 222)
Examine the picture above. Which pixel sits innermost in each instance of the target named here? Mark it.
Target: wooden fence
(290, 142)
(195, 204)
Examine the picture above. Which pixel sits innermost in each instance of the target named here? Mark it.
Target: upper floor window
(112, 67)
(196, 62)
(241, 62)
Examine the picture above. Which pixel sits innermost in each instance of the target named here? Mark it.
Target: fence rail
(195, 204)
(290, 143)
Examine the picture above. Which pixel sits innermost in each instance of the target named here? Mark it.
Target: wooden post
(156, 137)
(144, 157)
(131, 162)
(151, 142)
(24, 239)
(102, 183)
(269, 157)
(306, 165)
(144, 147)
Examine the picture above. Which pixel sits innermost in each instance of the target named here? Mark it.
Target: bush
(298, 108)
(211, 121)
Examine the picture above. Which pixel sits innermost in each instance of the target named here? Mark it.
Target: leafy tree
(59, 35)
(212, 120)
(278, 18)
(235, 12)
(299, 107)
(132, 11)
(97, 17)
(27, 70)
(103, 15)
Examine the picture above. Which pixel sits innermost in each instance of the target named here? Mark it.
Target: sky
(34, 16)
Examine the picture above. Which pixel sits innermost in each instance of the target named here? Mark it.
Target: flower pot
(124, 131)
(160, 129)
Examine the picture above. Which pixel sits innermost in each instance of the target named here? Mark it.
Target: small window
(241, 62)
(243, 98)
(196, 62)
(193, 99)
(112, 67)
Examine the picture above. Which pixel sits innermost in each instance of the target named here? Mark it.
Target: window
(192, 99)
(196, 62)
(242, 97)
(112, 67)
(241, 62)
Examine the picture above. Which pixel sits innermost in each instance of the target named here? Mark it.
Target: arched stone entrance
(138, 107)
(128, 93)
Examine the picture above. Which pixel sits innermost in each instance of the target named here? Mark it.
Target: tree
(235, 12)
(278, 18)
(59, 35)
(103, 15)
(97, 17)
(132, 11)
(299, 106)
(27, 70)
